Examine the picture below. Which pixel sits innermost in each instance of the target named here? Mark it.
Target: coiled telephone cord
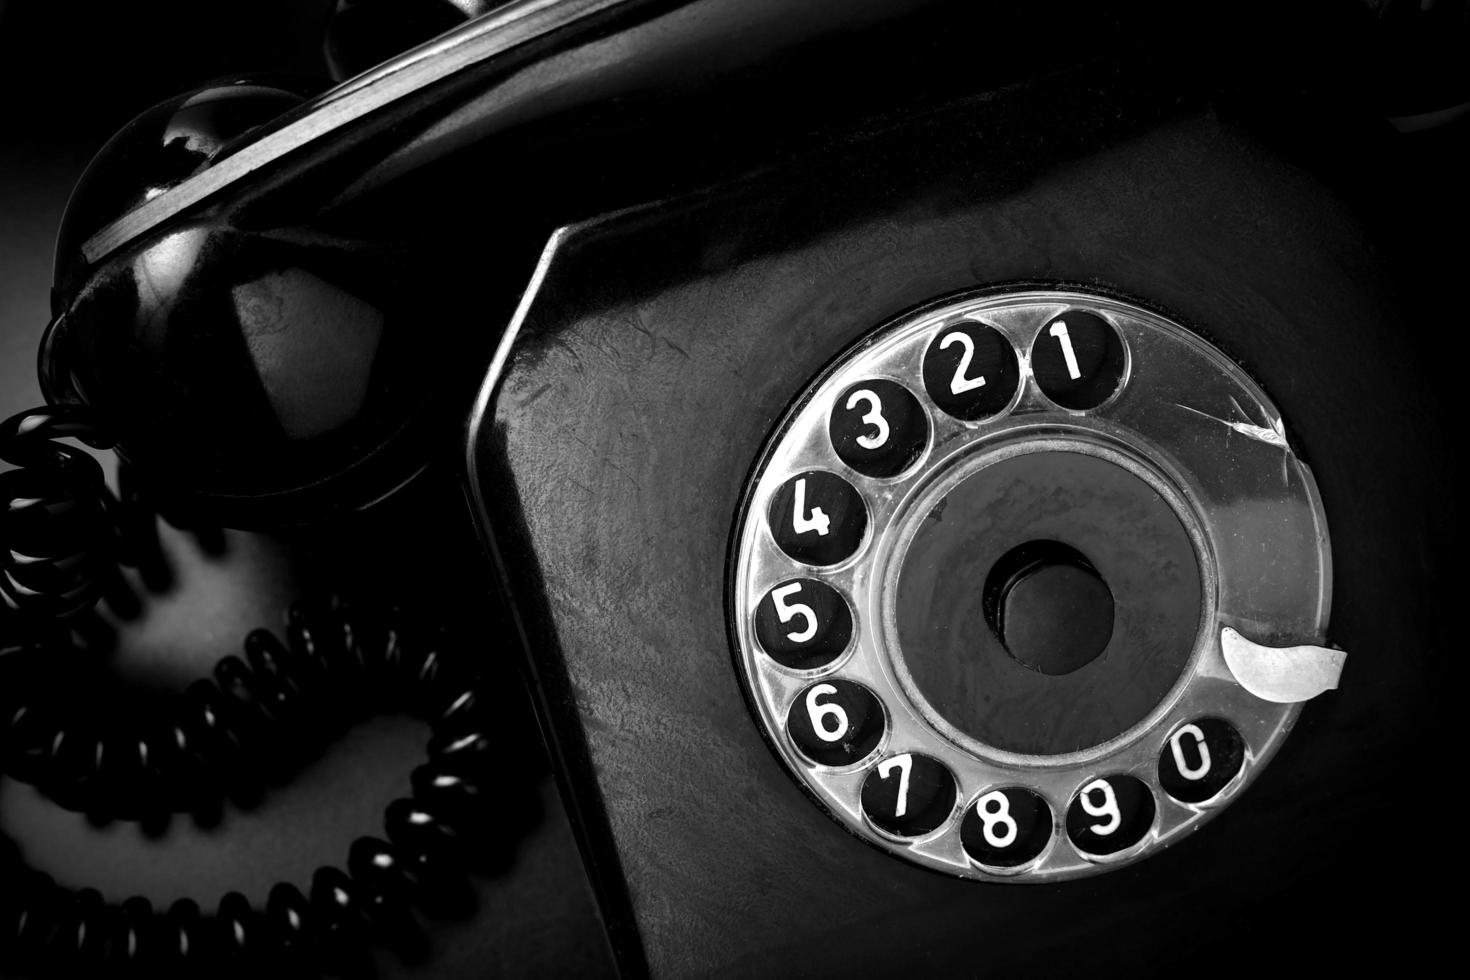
(136, 756)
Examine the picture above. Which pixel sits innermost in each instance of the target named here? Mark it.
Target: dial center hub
(1049, 607)
(1046, 601)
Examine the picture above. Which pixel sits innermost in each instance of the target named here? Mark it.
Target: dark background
(71, 75)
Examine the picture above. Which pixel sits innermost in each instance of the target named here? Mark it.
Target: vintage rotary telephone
(928, 453)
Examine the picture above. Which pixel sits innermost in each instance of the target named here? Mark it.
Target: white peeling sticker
(1284, 675)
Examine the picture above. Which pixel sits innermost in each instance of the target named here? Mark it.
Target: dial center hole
(1049, 607)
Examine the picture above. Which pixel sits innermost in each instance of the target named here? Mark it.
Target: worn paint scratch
(1273, 433)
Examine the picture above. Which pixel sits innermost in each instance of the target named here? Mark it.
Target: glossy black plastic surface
(664, 344)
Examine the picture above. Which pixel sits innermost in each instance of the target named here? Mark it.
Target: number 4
(800, 521)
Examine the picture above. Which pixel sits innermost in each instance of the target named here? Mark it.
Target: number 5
(790, 612)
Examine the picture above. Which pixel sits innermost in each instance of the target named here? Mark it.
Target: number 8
(1000, 816)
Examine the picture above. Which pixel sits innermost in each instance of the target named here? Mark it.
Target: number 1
(904, 763)
(1059, 331)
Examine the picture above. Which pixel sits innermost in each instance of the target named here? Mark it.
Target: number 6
(821, 713)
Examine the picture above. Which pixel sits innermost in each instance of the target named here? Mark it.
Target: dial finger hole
(818, 518)
(803, 624)
(971, 371)
(1200, 759)
(836, 723)
(878, 428)
(1110, 814)
(1078, 360)
(1006, 828)
(908, 795)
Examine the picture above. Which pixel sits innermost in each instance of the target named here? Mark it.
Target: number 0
(1185, 769)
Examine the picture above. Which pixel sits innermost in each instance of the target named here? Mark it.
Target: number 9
(1108, 808)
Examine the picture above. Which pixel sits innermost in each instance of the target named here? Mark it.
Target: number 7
(905, 763)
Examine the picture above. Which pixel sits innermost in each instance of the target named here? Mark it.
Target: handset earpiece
(258, 375)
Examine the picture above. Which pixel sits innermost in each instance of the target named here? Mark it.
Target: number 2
(790, 612)
(874, 418)
(903, 763)
(800, 521)
(1059, 331)
(1108, 808)
(960, 384)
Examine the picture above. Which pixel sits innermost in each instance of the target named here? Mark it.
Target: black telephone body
(851, 663)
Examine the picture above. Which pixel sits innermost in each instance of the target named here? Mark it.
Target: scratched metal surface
(654, 360)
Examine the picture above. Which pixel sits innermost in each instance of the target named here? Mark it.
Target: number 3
(1108, 808)
(790, 612)
(874, 418)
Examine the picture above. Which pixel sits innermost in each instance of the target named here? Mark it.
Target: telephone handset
(900, 488)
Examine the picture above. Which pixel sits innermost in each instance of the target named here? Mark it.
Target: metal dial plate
(1172, 411)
